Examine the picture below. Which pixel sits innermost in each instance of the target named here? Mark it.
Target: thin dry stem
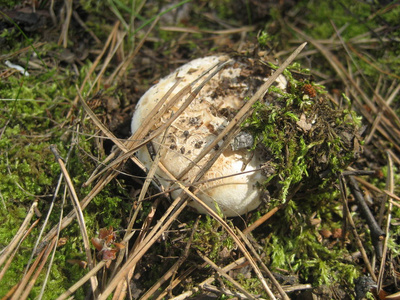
(18, 236)
(172, 271)
(78, 211)
(229, 278)
(264, 267)
(55, 248)
(64, 31)
(146, 244)
(10, 259)
(221, 32)
(261, 220)
(93, 67)
(174, 283)
(43, 261)
(209, 280)
(121, 69)
(21, 285)
(390, 187)
(82, 281)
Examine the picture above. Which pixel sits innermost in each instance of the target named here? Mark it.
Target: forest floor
(71, 73)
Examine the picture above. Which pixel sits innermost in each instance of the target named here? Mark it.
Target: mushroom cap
(231, 182)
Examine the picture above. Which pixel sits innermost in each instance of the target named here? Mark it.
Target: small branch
(347, 214)
(377, 234)
(358, 172)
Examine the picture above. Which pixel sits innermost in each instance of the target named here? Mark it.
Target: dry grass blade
(354, 87)
(22, 284)
(173, 211)
(353, 49)
(121, 290)
(264, 267)
(171, 272)
(390, 187)
(121, 69)
(18, 236)
(84, 26)
(127, 146)
(175, 283)
(380, 115)
(64, 31)
(43, 261)
(109, 135)
(81, 219)
(10, 259)
(137, 140)
(209, 280)
(82, 281)
(49, 211)
(261, 220)
(55, 248)
(93, 67)
(229, 278)
(71, 216)
(297, 287)
(222, 32)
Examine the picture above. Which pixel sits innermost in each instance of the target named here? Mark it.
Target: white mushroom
(231, 183)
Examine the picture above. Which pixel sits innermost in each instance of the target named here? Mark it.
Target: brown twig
(347, 214)
(377, 234)
(261, 220)
(93, 67)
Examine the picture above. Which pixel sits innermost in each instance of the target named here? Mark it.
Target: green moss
(34, 111)
(297, 152)
(211, 238)
(296, 245)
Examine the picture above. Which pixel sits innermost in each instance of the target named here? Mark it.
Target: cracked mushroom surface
(231, 184)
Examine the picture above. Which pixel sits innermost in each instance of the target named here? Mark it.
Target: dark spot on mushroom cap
(210, 128)
(228, 113)
(195, 121)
